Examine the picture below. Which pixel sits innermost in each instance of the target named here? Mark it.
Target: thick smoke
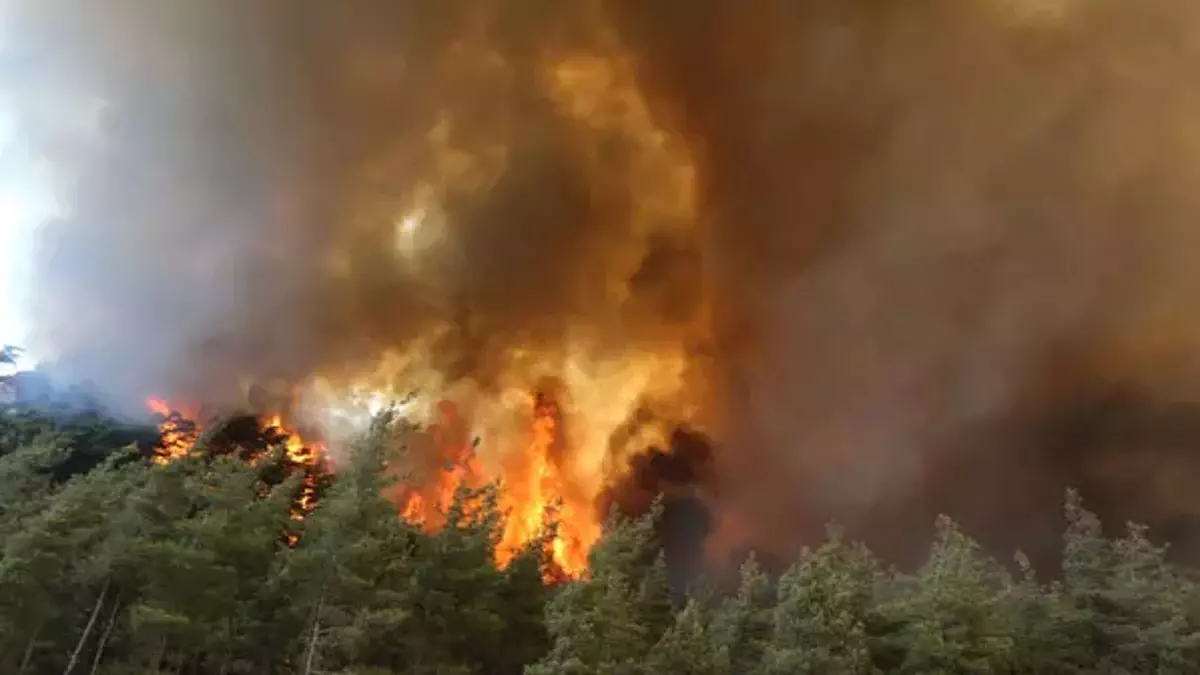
(894, 241)
(936, 228)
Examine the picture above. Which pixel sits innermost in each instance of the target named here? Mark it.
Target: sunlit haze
(25, 203)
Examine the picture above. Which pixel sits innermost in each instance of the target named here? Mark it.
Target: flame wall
(840, 236)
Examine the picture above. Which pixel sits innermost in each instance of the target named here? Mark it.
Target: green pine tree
(1048, 632)
(741, 624)
(1133, 604)
(57, 570)
(824, 605)
(349, 577)
(946, 618)
(608, 622)
(688, 647)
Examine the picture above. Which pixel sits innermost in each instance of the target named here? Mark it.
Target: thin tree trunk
(28, 655)
(156, 663)
(87, 630)
(108, 629)
(311, 652)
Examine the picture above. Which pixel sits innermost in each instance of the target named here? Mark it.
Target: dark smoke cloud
(939, 230)
(923, 230)
(258, 157)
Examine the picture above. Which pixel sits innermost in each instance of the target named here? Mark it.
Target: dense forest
(233, 559)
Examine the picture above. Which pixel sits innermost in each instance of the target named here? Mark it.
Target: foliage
(118, 565)
(610, 621)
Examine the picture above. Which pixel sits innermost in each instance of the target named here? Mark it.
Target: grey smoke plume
(911, 220)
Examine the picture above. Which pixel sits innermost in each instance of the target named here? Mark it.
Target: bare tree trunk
(108, 629)
(156, 662)
(311, 651)
(87, 630)
(28, 655)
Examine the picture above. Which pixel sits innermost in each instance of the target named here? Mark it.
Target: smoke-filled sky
(26, 203)
(864, 236)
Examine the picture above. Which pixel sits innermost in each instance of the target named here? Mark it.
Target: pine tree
(1047, 631)
(459, 562)
(820, 621)
(524, 594)
(947, 613)
(741, 625)
(240, 525)
(26, 479)
(8, 359)
(199, 536)
(1164, 641)
(608, 623)
(688, 647)
(1133, 603)
(350, 575)
(56, 570)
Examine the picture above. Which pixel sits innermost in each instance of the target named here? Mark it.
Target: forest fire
(882, 258)
(179, 431)
(536, 483)
(546, 386)
(302, 453)
(536, 486)
(550, 358)
(536, 489)
(177, 435)
(555, 430)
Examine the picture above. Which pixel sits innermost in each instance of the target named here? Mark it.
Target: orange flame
(175, 438)
(302, 453)
(535, 487)
(536, 480)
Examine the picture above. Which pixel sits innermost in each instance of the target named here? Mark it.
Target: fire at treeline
(237, 546)
(890, 262)
(502, 336)
(536, 485)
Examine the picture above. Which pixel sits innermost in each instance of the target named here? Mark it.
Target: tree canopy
(114, 564)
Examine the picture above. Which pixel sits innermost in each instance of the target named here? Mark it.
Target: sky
(25, 202)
